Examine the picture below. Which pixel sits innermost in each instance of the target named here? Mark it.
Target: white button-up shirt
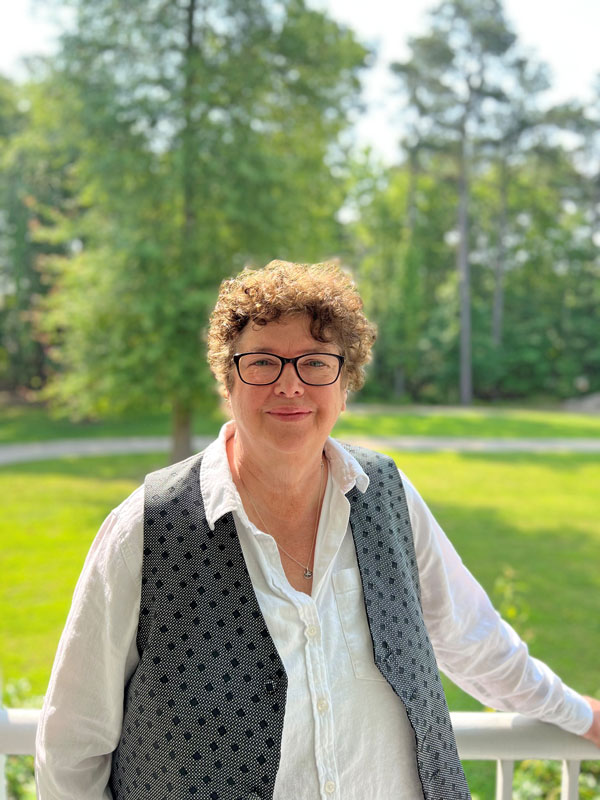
(346, 735)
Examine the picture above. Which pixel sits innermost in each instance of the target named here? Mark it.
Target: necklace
(306, 567)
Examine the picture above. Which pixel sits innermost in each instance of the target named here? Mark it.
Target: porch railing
(500, 737)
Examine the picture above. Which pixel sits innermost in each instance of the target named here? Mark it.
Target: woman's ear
(225, 403)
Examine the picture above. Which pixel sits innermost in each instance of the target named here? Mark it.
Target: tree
(13, 261)
(207, 135)
(453, 81)
(513, 130)
(33, 179)
(405, 269)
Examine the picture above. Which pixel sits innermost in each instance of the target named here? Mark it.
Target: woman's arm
(82, 714)
(474, 646)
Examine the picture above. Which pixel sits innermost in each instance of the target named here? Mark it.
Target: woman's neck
(281, 480)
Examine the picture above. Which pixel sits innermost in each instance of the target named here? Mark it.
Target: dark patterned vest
(204, 709)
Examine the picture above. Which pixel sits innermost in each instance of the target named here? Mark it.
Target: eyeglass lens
(313, 368)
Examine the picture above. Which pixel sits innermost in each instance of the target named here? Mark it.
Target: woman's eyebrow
(318, 347)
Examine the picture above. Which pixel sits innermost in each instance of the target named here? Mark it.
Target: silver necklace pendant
(307, 573)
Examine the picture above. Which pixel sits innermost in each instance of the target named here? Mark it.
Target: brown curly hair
(321, 291)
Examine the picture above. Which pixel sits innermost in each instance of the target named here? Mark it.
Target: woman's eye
(262, 362)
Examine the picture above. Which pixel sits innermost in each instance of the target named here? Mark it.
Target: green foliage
(20, 355)
(541, 779)
(551, 286)
(528, 250)
(20, 782)
(204, 141)
(163, 148)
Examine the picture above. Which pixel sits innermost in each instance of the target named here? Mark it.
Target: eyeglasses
(314, 369)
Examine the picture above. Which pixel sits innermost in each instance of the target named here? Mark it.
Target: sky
(564, 33)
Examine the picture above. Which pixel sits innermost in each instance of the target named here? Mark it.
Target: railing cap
(501, 735)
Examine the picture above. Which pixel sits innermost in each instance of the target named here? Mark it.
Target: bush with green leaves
(20, 782)
(541, 779)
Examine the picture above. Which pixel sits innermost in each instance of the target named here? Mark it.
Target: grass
(537, 514)
(22, 423)
(52, 510)
(489, 422)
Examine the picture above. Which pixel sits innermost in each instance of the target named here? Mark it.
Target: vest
(204, 709)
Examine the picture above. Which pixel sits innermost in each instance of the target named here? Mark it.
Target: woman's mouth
(289, 414)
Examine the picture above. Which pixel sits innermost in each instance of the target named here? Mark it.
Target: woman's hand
(594, 732)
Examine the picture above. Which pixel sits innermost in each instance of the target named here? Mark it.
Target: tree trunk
(498, 310)
(411, 203)
(188, 142)
(399, 382)
(464, 277)
(596, 209)
(181, 441)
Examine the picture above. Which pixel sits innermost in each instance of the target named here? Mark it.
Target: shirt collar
(218, 489)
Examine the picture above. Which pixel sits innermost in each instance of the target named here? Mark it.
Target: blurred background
(148, 150)
(447, 154)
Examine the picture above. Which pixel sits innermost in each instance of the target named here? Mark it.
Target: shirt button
(322, 704)
(330, 787)
(311, 631)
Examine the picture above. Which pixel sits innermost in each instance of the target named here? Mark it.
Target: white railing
(504, 738)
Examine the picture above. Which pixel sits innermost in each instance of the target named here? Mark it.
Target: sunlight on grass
(36, 424)
(492, 422)
(51, 512)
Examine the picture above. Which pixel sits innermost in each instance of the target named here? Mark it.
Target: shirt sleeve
(474, 646)
(81, 719)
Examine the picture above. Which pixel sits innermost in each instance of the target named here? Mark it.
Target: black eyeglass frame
(284, 361)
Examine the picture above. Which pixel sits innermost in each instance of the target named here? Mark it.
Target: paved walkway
(39, 451)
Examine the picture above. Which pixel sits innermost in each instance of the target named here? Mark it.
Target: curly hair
(323, 292)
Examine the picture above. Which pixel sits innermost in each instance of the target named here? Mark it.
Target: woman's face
(287, 416)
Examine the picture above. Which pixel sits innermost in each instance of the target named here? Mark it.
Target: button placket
(318, 681)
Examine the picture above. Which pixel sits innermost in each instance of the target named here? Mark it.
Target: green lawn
(21, 423)
(537, 514)
(33, 423)
(485, 422)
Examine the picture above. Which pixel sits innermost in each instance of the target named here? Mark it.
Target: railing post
(569, 788)
(504, 779)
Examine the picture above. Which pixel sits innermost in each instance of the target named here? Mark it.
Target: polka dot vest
(204, 709)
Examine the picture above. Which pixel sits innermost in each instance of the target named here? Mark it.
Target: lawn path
(39, 451)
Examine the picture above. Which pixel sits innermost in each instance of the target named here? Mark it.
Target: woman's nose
(288, 382)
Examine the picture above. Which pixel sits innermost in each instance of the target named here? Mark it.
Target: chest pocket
(349, 598)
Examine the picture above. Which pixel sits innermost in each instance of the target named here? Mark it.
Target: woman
(256, 621)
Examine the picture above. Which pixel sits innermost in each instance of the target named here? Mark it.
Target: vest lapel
(403, 653)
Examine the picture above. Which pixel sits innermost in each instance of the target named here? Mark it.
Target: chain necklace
(306, 567)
